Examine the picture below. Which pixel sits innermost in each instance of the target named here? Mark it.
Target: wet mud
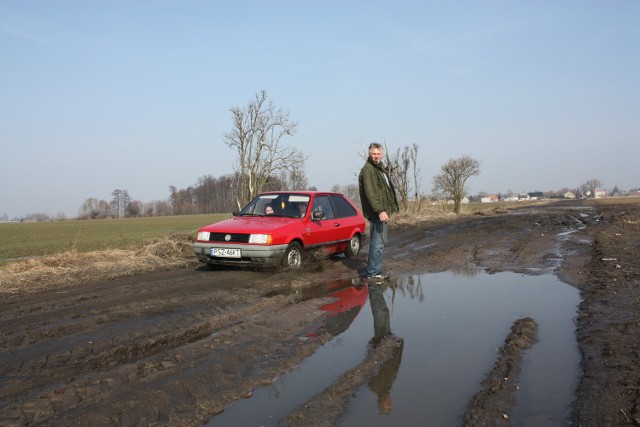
(177, 348)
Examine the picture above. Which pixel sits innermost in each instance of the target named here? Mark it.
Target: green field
(20, 240)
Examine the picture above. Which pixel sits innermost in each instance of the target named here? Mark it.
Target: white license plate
(225, 253)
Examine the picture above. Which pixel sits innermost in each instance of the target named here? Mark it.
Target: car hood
(250, 225)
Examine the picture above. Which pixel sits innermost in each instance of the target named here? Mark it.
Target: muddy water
(452, 325)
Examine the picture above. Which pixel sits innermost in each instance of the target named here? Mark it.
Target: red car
(278, 227)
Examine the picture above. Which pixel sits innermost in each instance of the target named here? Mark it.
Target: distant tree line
(208, 195)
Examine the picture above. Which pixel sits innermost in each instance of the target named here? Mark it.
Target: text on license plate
(225, 253)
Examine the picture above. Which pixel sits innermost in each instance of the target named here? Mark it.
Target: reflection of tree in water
(382, 382)
(466, 270)
(411, 286)
(408, 286)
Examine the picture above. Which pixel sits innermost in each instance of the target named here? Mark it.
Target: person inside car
(302, 209)
(268, 210)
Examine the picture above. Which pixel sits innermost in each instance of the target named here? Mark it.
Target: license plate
(225, 253)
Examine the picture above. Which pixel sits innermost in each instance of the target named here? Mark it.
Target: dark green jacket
(375, 195)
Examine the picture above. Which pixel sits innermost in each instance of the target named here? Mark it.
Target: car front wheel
(293, 256)
(353, 247)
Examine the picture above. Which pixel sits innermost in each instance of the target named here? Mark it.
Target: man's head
(375, 152)
(268, 210)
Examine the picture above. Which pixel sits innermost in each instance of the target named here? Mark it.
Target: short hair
(375, 145)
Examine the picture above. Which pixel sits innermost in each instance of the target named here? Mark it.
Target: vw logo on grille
(227, 237)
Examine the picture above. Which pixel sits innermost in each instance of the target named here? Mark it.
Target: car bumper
(250, 254)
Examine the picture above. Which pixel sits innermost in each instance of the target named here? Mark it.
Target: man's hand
(383, 216)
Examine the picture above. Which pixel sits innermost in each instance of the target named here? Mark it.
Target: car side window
(321, 203)
(342, 207)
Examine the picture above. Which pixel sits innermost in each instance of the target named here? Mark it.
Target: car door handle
(337, 224)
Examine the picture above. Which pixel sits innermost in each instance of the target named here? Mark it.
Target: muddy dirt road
(177, 348)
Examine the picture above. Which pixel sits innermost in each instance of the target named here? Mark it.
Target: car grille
(235, 237)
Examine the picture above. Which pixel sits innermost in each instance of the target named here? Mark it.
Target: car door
(321, 230)
(345, 218)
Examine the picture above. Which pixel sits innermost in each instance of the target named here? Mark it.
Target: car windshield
(279, 205)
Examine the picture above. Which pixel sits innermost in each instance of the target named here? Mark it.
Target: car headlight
(203, 235)
(263, 239)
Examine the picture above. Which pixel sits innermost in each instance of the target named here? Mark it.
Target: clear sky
(135, 95)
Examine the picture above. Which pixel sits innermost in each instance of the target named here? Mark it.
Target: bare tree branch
(257, 135)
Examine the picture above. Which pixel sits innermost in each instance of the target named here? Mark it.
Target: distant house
(569, 195)
(491, 198)
(464, 200)
(599, 193)
(536, 195)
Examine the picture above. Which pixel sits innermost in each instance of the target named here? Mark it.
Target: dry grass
(622, 200)
(72, 268)
(424, 215)
(441, 212)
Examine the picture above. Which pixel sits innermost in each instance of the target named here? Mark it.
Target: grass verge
(71, 267)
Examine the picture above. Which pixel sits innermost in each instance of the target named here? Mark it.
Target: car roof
(310, 193)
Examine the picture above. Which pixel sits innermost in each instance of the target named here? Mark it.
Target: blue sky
(99, 95)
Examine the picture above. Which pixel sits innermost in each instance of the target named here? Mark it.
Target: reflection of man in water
(381, 320)
(382, 382)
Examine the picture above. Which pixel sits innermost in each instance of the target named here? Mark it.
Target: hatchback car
(280, 227)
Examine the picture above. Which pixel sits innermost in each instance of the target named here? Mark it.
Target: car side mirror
(235, 213)
(317, 215)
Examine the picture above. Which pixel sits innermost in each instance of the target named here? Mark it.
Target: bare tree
(297, 179)
(119, 201)
(451, 182)
(157, 208)
(93, 208)
(413, 155)
(257, 132)
(135, 208)
(398, 167)
(182, 201)
(589, 188)
(403, 167)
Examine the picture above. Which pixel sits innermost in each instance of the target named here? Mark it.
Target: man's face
(376, 155)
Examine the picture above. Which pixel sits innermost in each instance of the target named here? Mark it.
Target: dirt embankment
(177, 347)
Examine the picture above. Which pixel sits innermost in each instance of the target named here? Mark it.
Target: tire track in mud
(143, 362)
(63, 350)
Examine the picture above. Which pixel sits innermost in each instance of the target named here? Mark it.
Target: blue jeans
(376, 246)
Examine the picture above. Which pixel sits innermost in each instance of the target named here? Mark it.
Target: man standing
(378, 199)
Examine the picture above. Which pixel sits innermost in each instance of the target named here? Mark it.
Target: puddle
(452, 326)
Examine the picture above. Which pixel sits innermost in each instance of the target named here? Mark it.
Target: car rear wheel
(293, 256)
(353, 247)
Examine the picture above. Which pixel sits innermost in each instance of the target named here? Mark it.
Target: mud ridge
(493, 403)
(327, 407)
